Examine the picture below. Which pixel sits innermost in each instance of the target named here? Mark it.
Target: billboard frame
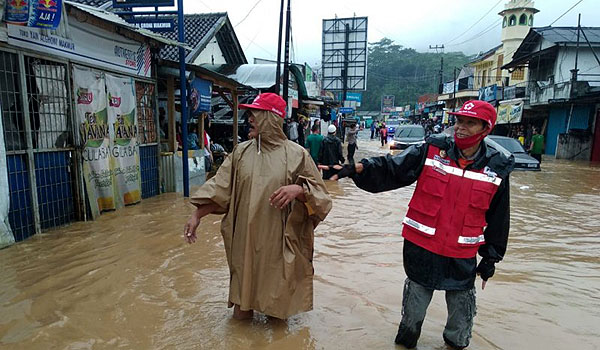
(347, 54)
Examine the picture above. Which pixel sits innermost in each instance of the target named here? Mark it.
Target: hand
(189, 231)
(341, 171)
(284, 195)
(485, 270)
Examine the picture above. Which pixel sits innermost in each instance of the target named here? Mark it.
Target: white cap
(331, 129)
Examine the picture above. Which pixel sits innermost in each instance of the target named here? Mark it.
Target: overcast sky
(414, 24)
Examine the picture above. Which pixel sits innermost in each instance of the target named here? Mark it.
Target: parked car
(508, 146)
(407, 135)
(392, 124)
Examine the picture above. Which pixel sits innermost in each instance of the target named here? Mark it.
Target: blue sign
(354, 96)
(154, 24)
(346, 110)
(333, 114)
(200, 96)
(45, 13)
(17, 12)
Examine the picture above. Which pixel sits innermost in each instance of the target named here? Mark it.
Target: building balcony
(544, 92)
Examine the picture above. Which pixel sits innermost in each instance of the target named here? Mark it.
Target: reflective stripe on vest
(416, 225)
(483, 177)
(471, 240)
(459, 172)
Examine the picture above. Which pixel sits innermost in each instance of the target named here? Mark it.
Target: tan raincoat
(269, 250)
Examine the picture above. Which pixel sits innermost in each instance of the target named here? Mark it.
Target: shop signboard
(510, 113)
(158, 25)
(200, 96)
(90, 45)
(354, 96)
(346, 110)
(34, 13)
(308, 73)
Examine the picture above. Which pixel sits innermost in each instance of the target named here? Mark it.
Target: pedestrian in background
(537, 145)
(293, 131)
(273, 197)
(383, 134)
(372, 130)
(460, 207)
(331, 151)
(313, 142)
(351, 134)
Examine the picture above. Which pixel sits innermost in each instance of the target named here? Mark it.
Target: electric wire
(561, 16)
(248, 14)
(474, 24)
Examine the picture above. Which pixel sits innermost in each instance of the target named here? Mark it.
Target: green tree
(405, 73)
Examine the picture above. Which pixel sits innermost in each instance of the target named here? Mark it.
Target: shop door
(596, 144)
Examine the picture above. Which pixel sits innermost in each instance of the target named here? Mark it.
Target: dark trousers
(383, 140)
(537, 156)
(351, 150)
(459, 324)
(372, 134)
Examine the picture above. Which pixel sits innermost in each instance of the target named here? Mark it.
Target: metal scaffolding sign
(345, 54)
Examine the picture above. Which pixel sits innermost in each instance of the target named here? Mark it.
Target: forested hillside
(404, 73)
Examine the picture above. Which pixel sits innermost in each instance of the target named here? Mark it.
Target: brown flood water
(128, 280)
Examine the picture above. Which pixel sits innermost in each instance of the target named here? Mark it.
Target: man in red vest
(460, 207)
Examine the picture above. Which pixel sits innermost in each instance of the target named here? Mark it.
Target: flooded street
(129, 281)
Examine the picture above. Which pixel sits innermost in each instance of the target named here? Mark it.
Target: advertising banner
(387, 103)
(91, 115)
(510, 113)
(34, 13)
(125, 159)
(488, 93)
(200, 96)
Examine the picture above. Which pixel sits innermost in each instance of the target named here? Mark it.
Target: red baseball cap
(480, 110)
(268, 102)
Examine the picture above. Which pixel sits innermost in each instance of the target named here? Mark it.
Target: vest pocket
(472, 232)
(481, 195)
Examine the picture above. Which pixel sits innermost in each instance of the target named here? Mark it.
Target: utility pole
(436, 48)
(183, 100)
(454, 91)
(345, 71)
(574, 71)
(278, 68)
(286, 62)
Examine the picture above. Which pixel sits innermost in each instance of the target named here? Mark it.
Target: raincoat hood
(270, 130)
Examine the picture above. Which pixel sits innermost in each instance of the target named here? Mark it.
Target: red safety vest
(446, 214)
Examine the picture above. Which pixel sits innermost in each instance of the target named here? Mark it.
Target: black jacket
(426, 268)
(331, 151)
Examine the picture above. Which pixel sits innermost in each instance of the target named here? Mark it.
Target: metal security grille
(148, 137)
(146, 115)
(36, 112)
(149, 170)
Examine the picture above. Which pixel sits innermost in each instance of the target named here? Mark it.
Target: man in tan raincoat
(273, 197)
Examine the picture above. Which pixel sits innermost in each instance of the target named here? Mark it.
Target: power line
(476, 36)
(248, 14)
(474, 24)
(561, 16)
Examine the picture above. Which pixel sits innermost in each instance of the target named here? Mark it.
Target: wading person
(460, 207)
(273, 197)
(537, 145)
(331, 151)
(313, 143)
(352, 131)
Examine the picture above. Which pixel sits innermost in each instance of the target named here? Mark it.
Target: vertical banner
(17, 12)
(91, 114)
(34, 13)
(125, 158)
(200, 96)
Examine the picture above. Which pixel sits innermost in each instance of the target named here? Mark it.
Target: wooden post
(171, 113)
(234, 95)
(200, 129)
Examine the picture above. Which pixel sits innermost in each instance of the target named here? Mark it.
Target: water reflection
(129, 281)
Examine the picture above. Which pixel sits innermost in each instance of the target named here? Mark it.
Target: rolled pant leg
(415, 301)
(461, 311)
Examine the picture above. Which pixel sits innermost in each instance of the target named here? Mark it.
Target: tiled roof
(196, 26)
